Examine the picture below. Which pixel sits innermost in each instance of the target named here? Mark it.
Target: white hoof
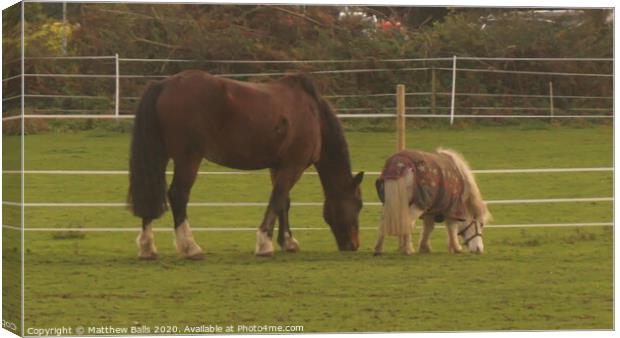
(146, 245)
(407, 250)
(455, 249)
(185, 244)
(405, 246)
(264, 245)
(290, 244)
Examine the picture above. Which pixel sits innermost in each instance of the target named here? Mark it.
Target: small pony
(437, 187)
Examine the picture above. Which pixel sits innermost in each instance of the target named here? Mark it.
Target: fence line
(70, 57)
(235, 229)
(231, 75)
(375, 109)
(282, 61)
(585, 109)
(300, 204)
(12, 77)
(104, 116)
(525, 72)
(478, 171)
(475, 58)
(91, 114)
(531, 59)
(339, 71)
(335, 96)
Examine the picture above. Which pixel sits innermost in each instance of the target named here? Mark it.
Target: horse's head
(471, 232)
(341, 212)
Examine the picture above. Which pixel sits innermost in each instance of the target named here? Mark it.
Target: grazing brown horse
(284, 125)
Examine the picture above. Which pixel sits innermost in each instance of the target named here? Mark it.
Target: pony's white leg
(185, 243)
(453, 240)
(264, 244)
(146, 243)
(406, 245)
(425, 241)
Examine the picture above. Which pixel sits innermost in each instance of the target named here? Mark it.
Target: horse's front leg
(185, 170)
(453, 239)
(282, 180)
(425, 238)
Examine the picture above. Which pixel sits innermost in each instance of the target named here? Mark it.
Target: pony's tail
(148, 159)
(396, 215)
(473, 198)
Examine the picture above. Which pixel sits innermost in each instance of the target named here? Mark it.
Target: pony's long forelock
(396, 220)
(471, 193)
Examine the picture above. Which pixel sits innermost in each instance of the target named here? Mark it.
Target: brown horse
(284, 125)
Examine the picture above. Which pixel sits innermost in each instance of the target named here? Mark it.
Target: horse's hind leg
(283, 180)
(425, 238)
(185, 170)
(285, 235)
(146, 241)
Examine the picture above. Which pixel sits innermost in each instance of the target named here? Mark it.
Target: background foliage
(283, 32)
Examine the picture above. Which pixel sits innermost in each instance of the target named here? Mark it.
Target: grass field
(528, 278)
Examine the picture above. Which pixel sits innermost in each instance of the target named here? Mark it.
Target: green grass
(551, 278)
(528, 279)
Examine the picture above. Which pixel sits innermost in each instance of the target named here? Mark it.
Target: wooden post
(400, 116)
(433, 92)
(551, 98)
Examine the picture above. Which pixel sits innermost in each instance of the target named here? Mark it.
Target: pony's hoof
(147, 256)
(264, 254)
(196, 256)
(377, 254)
(455, 250)
(408, 252)
(291, 245)
(424, 249)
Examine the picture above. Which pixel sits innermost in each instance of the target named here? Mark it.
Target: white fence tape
(236, 229)
(301, 204)
(478, 171)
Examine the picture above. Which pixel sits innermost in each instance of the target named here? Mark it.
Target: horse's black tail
(148, 159)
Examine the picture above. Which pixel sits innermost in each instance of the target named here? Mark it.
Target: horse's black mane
(306, 82)
(334, 148)
(334, 143)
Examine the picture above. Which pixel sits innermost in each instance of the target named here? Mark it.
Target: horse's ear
(357, 180)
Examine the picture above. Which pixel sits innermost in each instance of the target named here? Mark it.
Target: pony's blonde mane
(396, 219)
(471, 194)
